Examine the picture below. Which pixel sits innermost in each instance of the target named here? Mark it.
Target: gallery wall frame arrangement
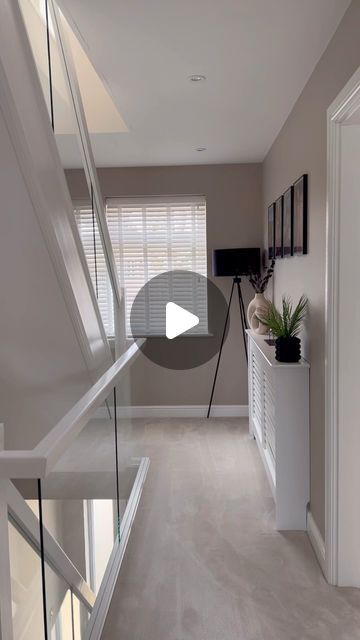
(271, 231)
(288, 222)
(300, 216)
(288, 209)
(279, 227)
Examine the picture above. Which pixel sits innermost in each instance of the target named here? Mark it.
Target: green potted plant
(285, 326)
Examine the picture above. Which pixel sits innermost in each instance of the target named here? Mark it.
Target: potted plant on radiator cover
(285, 326)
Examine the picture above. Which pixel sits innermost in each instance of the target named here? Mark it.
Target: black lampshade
(236, 262)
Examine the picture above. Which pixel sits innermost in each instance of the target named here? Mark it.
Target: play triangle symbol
(178, 320)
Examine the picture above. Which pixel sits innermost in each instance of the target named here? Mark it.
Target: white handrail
(38, 462)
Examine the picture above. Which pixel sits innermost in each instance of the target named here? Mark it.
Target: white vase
(258, 306)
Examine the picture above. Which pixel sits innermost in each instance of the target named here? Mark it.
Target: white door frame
(343, 107)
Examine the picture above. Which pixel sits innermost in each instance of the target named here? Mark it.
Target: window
(90, 237)
(150, 236)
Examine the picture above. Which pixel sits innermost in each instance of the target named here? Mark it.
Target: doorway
(342, 481)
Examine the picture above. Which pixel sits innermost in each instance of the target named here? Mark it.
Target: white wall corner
(317, 541)
(177, 411)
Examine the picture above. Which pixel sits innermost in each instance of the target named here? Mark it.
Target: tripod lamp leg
(221, 348)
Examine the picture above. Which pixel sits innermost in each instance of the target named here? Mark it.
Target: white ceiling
(257, 56)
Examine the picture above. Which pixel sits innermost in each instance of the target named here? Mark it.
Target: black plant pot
(287, 349)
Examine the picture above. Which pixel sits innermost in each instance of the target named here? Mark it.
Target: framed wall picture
(288, 208)
(300, 216)
(271, 231)
(279, 228)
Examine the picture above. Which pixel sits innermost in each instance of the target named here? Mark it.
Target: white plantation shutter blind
(88, 228)
(154, 235)
(151, 236)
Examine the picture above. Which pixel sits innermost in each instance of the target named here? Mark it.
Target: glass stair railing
(53, 45)
(69, 505)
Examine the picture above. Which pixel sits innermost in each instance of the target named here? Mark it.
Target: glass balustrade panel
(81, 617)
(64, 117)
(26, 587)
(131, 438)
(79, 498)
(59, 606)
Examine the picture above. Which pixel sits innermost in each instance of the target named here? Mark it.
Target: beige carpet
(204, 561)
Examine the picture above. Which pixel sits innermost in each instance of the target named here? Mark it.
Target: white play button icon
(178, 304)
(178, 320)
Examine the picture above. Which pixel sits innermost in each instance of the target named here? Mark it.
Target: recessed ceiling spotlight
(200, 149)
(197, 78)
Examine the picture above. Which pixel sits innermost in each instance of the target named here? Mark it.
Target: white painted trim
(343, 107)
(176, 411)
(103, 599)
(317, 541)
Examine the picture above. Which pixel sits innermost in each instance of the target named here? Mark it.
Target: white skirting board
(316, 540)
(180, 411)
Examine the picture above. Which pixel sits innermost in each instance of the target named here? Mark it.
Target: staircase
(69, 487)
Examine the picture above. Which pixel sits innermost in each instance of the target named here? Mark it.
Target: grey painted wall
(234, 218)
(301, 148)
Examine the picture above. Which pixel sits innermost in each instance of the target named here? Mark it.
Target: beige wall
(234, 206)
(301, 148)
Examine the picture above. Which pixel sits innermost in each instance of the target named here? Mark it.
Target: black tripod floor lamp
(233, 263)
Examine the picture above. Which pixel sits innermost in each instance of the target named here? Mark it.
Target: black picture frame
(279, 228)
(271, 231)
(288, 212)
(300, 215)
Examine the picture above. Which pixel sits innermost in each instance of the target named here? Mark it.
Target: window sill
(130, 339)
(184, 335)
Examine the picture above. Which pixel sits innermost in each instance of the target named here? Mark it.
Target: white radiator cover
(279, 421)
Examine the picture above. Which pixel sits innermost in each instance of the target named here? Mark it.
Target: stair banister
(38, 462)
